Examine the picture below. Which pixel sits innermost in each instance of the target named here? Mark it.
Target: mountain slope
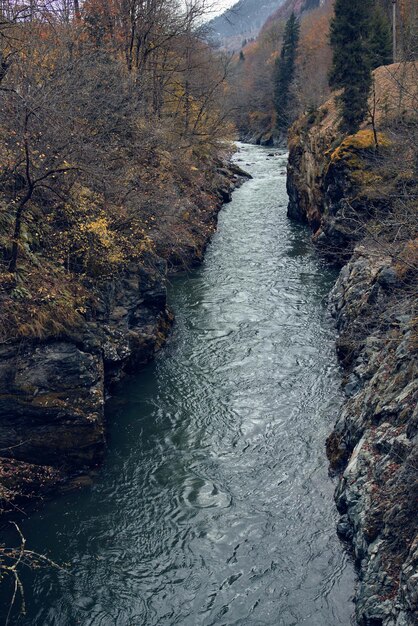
(297, 6)
(243, 20)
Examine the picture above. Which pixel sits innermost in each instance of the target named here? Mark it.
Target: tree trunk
(77, 11)
(17, 230)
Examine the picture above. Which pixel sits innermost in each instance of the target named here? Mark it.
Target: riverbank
(359, 194)
(214, 503)
(53, 387)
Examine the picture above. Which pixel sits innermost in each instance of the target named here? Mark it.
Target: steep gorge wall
(53, 390)
(373, 447)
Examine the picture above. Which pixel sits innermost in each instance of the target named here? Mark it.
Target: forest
(111, 112)
(255, 71)
(106, 105)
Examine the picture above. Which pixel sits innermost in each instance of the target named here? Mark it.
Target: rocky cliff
(53, 390)
(347, 189)
(374, 444)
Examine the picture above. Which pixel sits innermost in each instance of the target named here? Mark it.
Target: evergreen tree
(351, 69)
(284, 72)
(380, 39)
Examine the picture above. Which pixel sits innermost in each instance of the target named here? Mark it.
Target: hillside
(251, 84)
(242, 21)
(100, 191)
(286, 8)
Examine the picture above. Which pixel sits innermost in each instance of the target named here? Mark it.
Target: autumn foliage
(252, 87)
(111, 113)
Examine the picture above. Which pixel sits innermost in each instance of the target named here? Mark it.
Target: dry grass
(396, 92)
(40, 302)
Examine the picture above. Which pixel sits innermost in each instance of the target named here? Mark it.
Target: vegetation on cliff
(350, 32)
(112, 121)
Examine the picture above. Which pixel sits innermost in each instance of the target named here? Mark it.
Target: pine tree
(285, 72)
(380, 39)
(351, 69)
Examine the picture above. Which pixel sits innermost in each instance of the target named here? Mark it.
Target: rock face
(375, 438)
(373, 447)
(309, 142)
(53, 391)
(326, 183)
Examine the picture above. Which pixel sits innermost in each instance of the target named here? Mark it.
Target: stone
(388, 278)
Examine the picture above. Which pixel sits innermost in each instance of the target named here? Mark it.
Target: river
(214, 506)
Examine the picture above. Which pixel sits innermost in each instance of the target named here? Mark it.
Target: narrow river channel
(214, 507)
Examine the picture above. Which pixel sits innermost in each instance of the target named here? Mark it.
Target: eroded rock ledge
(373, 447)
(53, 391)
(374, 443)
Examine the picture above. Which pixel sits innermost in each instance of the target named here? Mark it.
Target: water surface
(214, 507)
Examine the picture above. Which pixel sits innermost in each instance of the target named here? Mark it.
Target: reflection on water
(214, 506)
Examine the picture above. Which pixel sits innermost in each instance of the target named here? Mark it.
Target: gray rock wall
(52, 392)
(375, 440)
(374, 444)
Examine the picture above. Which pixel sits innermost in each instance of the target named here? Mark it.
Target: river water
(214, 507)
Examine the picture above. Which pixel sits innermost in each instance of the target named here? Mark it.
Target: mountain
(288, 6)
(245, 19)
(242, 21)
